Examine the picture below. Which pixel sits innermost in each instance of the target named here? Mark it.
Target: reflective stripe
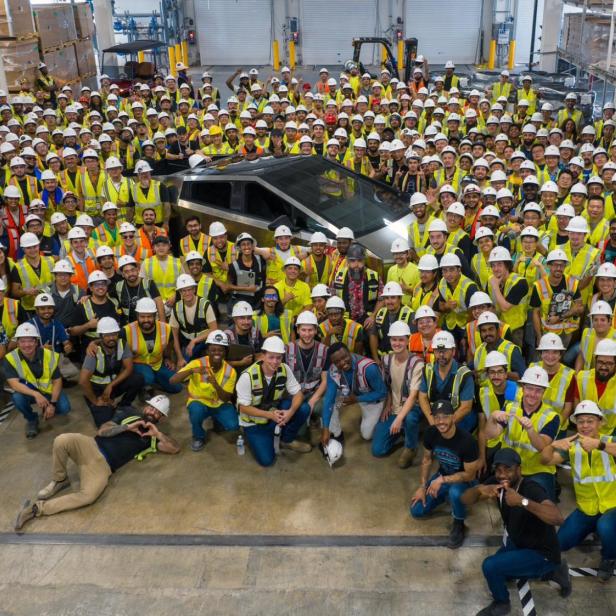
(165, 279)
(99, 377)
(43, 384)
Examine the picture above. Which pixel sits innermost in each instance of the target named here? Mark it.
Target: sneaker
(297, 446)
(32, 429)
(27, 513)
(197, 444)
(456, 535)
(406, 457)
(561, 576)
(496, 608)
(606, 569)
(53, 488)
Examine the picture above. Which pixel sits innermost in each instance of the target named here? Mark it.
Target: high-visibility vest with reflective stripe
(151, 449)
(479, 361)
(482, 270)
(372, 285)
(90, 314)
(105, 237)
(581, 264)
(214, 256)
(44, 384)
(422, 297)
(501, 89)
(165, 279)
(600, 233)
(140, 254)
(92, 195)
(100, 376)
(531, 97)
(80, 277)
(261, 322)
(589, 342)
(458, 316)
(275, 267)
(277, 387)
(31, 280)
(312, 273)
(137, 344)
(31, 188)
(489, 404)
(120, 196)
(417, 239)
(545, 293)
(474, 337)
(564, 114)
(349, 337)
(199, 324)
(516, 315)
(187, 244)
(455, 387)
(516, 436)
(151, 201)
(69, 185)
(309, 378)
(360, 383)
(594, 479)
(204, 286)
(587, 389)
(9, 316)
(554, 395)
(524, 268)
(199, 387)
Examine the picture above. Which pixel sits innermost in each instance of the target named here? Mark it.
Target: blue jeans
(24, 403)
(578, 526)
(159, 377)
(224, 416)
(469, 421)
(198, 351)
(510, 563)
(260, 437)
(383, 441)
(547, 481)
(448, 491)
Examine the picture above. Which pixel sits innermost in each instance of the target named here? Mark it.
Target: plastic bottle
(239, 444)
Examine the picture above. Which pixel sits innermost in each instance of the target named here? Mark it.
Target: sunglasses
(270, 296)
(128, 235)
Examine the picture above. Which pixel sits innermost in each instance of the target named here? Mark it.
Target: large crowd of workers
(493, 332)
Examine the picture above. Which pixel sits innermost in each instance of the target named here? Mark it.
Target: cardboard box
(55, 25)
(16, 18)
(62, 64)
(84, 23)
(84, 50)
(21, 59)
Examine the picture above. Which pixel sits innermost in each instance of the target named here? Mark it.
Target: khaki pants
(94, 472)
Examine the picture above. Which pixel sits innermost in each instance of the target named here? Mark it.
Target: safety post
(140, 57)
(185, 52)
(178, 52)
(171, 50)
(276, 54)
(511, 59)
(492, 56)
(291, 55)
(383, 54)
(400, 54)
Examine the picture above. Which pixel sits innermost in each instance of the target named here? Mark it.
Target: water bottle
(239, 444)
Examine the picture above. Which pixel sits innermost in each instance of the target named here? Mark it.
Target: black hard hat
(356, 251)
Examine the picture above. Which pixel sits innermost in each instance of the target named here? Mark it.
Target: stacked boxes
(16, 19)
(55, 25)
(84, 50)
(20, 59)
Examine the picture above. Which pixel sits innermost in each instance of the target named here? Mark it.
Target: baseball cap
(442, 407)
(507, 457)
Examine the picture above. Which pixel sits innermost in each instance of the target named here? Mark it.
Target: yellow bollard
(178, 52)
(140, 56)
(291, 55)
(400, 54)
(383, 54)
(171, 51)
(276, 54)
(492, 56)
(511, 60)
(185, 52)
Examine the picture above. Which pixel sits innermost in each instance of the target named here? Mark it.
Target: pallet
(59, 47)
(22, 37)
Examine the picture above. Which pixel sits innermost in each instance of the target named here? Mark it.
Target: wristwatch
(525, 502)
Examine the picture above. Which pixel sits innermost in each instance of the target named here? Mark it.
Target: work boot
(53, 488)
(27, 513)
(297, 446)
(496, 608)
(32, 428)
(198, 444)
(606, 569)
(561, 576)
(406, 457)
(456, 535)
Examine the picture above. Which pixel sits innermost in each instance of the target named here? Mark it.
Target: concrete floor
(217, 497)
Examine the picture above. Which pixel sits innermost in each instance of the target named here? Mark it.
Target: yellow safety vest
(554, 395)
(92, 195)
(69, 185)
(481, 269)
(489, 404)
(44, 384)
(201, 390)
(459, 316)
(275, 267)
(587, 389)
(257, 383)
(151, 201)
(137, 344)
(531, 97)
(261, 323)
(579, 265)
(474, 337)
(104, 236)
(524, 268)
(564, 114)
(455, 387)
(30, 279)
(165, 279)
(199, 325)
(545, 293)
(516, 315)
(372, 283)
(186, 244)
(350, 335)
(422, 297)
(311, 271)
(516, 437)
(99, 377)
(9, 316)
(479, 360)
(204, 286)
(599, 233)
(589, 342)
(501, 89)
(594, 479)
(417, 240)
(120, 196)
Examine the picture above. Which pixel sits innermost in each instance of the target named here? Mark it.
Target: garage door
(327, 28)
(445, 29)
(523, 30)
(234, 32)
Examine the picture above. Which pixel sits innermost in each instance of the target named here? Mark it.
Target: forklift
(390, 63)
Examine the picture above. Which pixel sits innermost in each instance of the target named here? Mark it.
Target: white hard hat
(48, 174)
(499, 253)
(443, 340)
(112, 163)
(565, 210)
(606, 347)
(479, 298)
(146, 305)
(43, 299)
(503, 193)
(418, 198)
(318, 238)
(600, 308)
(12, 192)
(242, 309)
(63, 266)
(32, 218)
(427, 263)
(320, 290)
(83, 220)
(57, 217)
(345, 233)
(549, 186)
(107, 325)
(127, 227)
(423, 312)
(26, 330)
(104, 251)
(126, 260)
(399, 328)
(282, 231)
(450, 260)
(392, 289)
(273, 344)
(193, 255)
(216, 229)
(438, 225)
(97, 276)
(28, 240)
(307, 318)
(606, 270)
(292, 261)
(531, 206)
(108, 205)
(557, 255)
(487, 318)
(456, 208)
(495, 358)
(185, 281)
(578, 224)
(399, 245)
(142, 167)
(77, 233)
(535, 375)
(529, 232)
(578, 189)
(217, 336)
(550, 342)
(332, 451)
(159, 402)
(16, 161)
(483, 232)
(335, 303)
(587, 407)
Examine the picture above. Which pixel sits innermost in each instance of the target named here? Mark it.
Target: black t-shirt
(535, 300)
(108, 309)
(129, 296)
(526, 530)
(518, 292)
(258, 267)
(122, 448)
(451, 453)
